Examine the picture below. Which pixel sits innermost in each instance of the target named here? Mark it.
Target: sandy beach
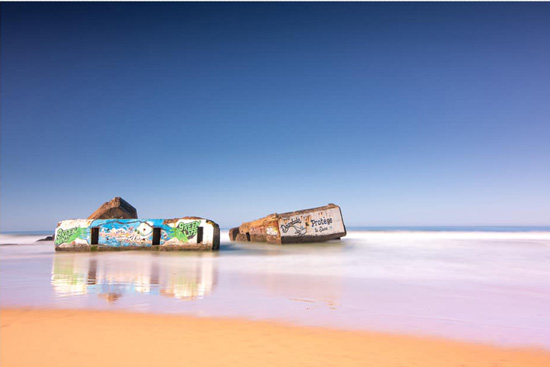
(39, 337)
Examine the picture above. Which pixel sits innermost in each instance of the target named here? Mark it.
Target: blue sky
(403, 114)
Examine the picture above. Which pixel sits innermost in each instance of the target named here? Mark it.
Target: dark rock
(233, 232)
(118, 208)
(48, 238)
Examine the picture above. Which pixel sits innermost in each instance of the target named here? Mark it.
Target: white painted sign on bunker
(313, 223)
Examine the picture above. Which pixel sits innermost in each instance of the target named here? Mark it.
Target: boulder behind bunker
(117, 208)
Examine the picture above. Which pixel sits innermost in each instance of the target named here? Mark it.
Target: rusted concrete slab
(309, 225)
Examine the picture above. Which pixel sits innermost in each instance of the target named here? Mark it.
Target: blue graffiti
(133, 232)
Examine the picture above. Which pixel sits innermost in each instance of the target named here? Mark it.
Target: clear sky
(403, 114)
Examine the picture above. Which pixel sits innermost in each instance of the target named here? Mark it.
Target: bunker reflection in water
(111, 276)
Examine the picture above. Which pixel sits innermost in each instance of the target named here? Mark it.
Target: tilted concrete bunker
(188, 233)
(309, 225)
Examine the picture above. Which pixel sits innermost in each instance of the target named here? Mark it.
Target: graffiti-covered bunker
(188, 233)
(309, 225)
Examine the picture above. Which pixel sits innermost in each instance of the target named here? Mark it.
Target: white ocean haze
(483, 285)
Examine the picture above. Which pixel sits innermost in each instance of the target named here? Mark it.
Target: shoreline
(61, 337)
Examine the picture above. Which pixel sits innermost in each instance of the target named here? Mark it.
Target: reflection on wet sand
(111, 277)
(312, 291)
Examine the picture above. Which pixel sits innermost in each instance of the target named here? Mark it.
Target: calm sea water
(482, 284)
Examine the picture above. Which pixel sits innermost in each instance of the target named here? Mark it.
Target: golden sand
(31, 337)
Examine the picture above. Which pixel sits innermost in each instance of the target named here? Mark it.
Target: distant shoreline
(450, 228)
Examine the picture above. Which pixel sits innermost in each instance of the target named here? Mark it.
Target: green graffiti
(69, 235)
(184, 231)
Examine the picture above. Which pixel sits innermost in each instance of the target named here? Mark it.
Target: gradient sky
(403, 114)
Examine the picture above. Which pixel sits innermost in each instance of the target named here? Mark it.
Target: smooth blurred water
(485, 286)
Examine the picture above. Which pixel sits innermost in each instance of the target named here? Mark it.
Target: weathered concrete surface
(309, 225)
(117, 208)
(188, 233)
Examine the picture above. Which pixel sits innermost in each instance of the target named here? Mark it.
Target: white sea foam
(448, 235)
(485, 286)
(20, 239)
(24, 239)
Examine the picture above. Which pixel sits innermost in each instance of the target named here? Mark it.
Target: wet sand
(39, 337)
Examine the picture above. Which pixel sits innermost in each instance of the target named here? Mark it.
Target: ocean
(483, 284)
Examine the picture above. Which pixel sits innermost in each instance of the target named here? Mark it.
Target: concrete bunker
(188, 233)
(309, 225)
